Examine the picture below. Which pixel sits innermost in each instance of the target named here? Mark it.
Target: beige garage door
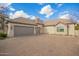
(23, 30)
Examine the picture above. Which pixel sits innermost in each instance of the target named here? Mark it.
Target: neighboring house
(24, 27)
(61, 26)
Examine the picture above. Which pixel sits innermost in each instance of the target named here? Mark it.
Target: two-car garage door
(23, 31)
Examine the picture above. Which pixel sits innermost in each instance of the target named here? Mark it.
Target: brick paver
(41, 45)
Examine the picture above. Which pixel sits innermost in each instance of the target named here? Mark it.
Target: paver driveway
(41, 45)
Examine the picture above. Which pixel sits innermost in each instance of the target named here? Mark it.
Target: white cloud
(10, 14)
(59, 4)
(47, 10)
(21, 13)
(40, 3)
(69, 16)
(18, 14)
(12, 9)
(64, 12)
(48, 15)
(65, 16)
(33, 17)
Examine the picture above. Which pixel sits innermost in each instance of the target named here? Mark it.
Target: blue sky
(46, 10)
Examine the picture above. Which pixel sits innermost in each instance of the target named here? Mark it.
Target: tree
(3, 21)
(3, 17)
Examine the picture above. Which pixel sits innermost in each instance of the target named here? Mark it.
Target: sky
(43, 10)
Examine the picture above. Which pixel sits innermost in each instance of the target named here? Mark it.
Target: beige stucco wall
(10, 30)
(77, 32)
(71, 29)
(50, 30)
(53, 29)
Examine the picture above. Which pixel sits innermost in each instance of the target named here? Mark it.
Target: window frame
(60, 29)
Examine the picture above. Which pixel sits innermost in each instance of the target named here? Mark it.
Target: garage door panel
(23, 30)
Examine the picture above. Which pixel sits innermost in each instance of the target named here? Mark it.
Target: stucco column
(10, 30)
(34, 30)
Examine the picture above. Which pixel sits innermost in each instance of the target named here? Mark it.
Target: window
(60, 29)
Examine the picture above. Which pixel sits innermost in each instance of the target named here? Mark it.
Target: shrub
(77, 27)
(3, 35)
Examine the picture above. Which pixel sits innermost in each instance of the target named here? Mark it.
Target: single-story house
(24, 27)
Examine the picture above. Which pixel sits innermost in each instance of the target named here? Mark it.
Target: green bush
(77, 27)
(3, 35)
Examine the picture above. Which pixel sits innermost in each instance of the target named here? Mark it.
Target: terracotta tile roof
(37, 21)
(54, 22)
(23, 20)
(26, 21)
